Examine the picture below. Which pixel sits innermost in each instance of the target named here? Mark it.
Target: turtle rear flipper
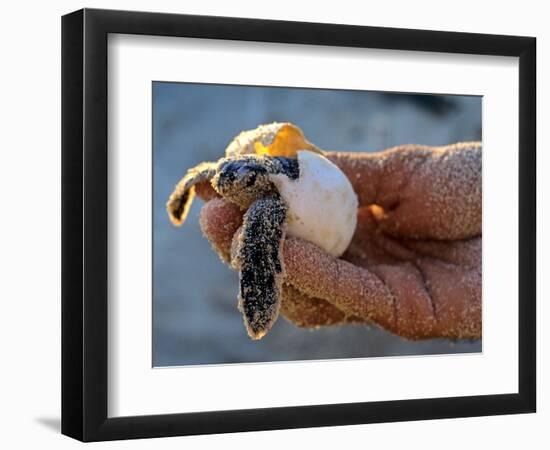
(180, 201)
(261, 265)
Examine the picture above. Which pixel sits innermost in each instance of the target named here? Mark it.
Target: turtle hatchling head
(243, 179)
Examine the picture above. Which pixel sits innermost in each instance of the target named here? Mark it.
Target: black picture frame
(84, 224)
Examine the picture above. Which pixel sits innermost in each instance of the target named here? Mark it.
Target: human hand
(414, 264)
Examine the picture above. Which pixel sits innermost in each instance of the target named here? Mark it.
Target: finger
(432, 300)
(353, 290)
(219, 221)
(456, 297)
(205, 191)
(422, 192)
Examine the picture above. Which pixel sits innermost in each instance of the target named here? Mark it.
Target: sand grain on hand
(424, 192)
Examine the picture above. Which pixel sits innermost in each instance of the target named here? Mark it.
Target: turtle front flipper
(180, 201)
(261, 265)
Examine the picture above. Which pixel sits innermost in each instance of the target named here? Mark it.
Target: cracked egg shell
(273, 139)
(322, 206)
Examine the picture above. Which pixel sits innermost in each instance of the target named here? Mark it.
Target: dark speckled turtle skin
(261, 264)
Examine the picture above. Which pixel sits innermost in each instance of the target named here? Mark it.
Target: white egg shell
(322, 206)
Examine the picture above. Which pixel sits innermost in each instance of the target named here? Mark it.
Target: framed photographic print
(273, 224)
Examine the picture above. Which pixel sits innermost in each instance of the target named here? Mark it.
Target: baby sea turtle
(286, 185)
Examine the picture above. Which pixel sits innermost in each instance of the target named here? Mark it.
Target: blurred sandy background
(195, 316)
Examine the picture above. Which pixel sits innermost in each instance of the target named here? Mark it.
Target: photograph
(305, 224)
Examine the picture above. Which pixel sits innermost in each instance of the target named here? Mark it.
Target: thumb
(219, 221)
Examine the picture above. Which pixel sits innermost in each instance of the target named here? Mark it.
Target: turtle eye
(241, 171)
(251, 179)
(227, 171)
(243, 177)
(247, 175)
